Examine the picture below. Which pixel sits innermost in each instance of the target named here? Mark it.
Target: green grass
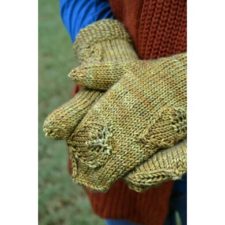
(61, 202)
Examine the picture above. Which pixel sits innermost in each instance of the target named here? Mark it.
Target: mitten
(103, 41)
(141, 114)
(165, 165)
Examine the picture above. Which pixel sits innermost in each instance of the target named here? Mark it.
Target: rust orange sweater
(158, 28)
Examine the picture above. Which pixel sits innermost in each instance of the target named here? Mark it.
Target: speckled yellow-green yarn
(168, 164)
(144, 112)
(104, 49)
(103, 41)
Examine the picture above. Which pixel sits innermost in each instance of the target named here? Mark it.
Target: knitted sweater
(158, 28)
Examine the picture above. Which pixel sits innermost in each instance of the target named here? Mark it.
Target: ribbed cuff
(119, 202)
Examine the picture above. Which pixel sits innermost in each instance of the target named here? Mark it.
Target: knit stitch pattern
(103, 41)
(99, 46)
(168, 164)
(128, 125)
(158, 29)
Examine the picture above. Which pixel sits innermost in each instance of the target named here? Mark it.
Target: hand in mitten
(144, 112)
(167, 164)
(103, 41)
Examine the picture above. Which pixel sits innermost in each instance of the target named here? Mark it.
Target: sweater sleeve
(77, 14)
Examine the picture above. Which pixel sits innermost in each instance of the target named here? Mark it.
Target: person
(157, 29)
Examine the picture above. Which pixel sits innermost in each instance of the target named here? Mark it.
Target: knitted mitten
(103, 41)
(168, 164)
(145, 111)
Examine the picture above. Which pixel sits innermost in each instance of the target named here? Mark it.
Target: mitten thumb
(99, 76)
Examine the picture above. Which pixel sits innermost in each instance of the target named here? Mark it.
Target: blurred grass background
(61, 202)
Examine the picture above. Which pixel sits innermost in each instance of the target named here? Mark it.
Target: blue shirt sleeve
(77, 14)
